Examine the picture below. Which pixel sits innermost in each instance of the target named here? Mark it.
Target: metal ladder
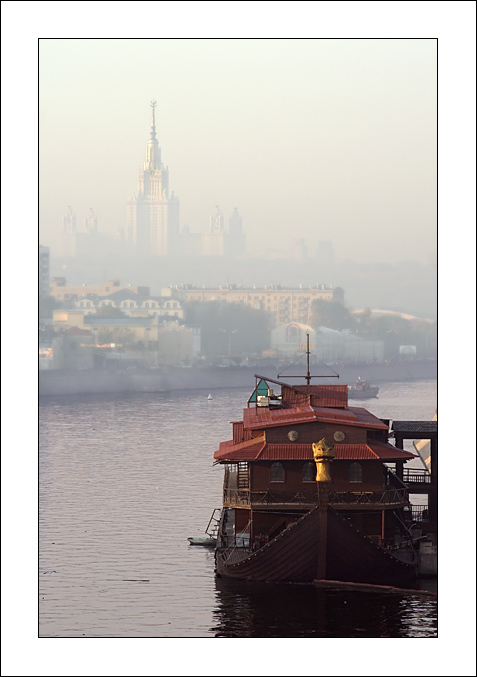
(212, 529)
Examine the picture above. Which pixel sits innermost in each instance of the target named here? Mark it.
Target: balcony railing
(416, 476)
(418, 513)
(245, 497)
(388, 497)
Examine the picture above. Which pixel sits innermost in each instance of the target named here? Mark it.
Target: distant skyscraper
(236, 239)
(153, 215)
(68, 234)
(217, 241)
(213, 242)
(298, 250)
(90, 224)
(43, 270)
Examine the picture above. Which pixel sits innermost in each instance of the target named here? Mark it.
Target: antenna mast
(308, 376)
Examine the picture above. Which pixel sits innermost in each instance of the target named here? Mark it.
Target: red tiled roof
(295, 452)
(245, 451)
(318, 395)
(388, 452)
(262, 417)
(258, 450)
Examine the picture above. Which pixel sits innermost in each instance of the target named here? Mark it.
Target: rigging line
(317, 362)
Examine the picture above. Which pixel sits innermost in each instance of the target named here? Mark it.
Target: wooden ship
(312, 491)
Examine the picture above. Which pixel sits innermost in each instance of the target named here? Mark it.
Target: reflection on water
(123, 481)
(246, 609)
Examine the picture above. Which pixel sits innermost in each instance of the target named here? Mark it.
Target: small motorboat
(362, 390)
(206, 542)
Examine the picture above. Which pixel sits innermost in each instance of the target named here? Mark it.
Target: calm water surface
(124, 480)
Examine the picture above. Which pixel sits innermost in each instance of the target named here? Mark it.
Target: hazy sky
(321, 139)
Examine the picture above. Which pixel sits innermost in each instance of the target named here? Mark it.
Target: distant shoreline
(171, 379)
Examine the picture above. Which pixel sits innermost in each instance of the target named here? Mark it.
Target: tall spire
(153, 128)
(153, 152)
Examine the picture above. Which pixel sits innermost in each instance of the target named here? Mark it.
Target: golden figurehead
(323, 453)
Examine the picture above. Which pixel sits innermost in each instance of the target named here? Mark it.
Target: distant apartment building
(134, 305)
(63, 292)
(43, 270)
(327, 345)
(283, 304)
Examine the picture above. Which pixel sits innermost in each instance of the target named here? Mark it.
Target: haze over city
(315, 139)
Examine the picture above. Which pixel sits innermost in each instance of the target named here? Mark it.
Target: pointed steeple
(153, 152)
(153, 127)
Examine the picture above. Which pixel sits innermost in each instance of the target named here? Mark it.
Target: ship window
(355, 472)
(276, 473)
(308, 472)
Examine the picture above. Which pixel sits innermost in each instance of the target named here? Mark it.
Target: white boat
(207, 542)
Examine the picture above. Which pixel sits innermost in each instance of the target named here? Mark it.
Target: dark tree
(229, 328)
(331, 314)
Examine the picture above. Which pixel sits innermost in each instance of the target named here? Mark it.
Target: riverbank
(91, 381)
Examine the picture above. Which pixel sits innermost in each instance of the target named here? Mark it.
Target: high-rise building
(153, 214)
(68, 234)
(213, 242)
(90, 224)
(43, 270)
(298, 250)
(217, 241)
(236, 239)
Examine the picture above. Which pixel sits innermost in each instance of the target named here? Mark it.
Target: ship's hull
(363, 394)
(293, 555)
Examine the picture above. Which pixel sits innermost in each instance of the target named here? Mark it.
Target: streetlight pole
(230, 340)
(229, 332)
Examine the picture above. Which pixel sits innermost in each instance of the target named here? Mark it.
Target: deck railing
(418, 513)
(388, 497)
(416, 476)
(246, 497)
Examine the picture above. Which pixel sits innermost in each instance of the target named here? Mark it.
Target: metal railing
(415, 475)
(418, 513)
(388, 497)
(241, 544)
(295, 498)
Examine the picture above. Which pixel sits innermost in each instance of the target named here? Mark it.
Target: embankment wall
(90, 381)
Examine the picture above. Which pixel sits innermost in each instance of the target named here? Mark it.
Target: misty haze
(285, 169)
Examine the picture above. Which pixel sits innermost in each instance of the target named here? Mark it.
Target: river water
(124, 480)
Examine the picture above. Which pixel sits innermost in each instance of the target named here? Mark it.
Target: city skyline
(329, 140)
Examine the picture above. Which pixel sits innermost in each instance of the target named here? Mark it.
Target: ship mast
(308, 376)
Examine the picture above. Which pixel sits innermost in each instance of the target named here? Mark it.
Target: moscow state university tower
(153, 215)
